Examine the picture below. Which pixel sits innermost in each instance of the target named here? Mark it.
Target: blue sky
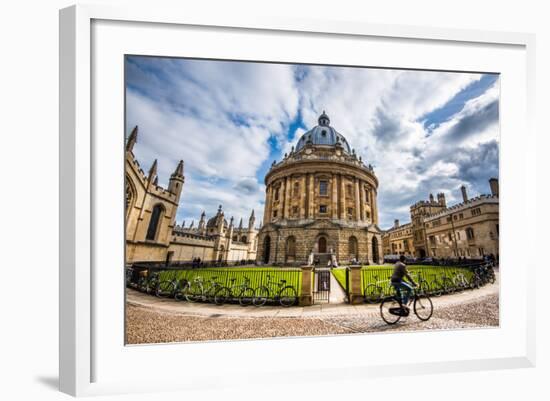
(423, 131)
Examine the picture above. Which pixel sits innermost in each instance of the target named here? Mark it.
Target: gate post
(355, 296)
(306, 296)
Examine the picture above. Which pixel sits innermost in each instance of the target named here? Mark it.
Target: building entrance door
(322, 245)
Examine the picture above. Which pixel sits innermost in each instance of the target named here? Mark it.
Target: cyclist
(403, 289)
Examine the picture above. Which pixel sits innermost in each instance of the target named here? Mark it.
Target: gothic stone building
(320, 198)
(469, 229)
(152, 234)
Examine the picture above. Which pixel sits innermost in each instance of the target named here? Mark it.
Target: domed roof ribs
(323, 134)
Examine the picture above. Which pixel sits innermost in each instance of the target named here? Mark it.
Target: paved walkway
(137, 298)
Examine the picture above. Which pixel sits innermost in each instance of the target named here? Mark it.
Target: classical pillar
(374, 207)
(282, 197)
(303, 197)
(361, 200)
(288, 196)
(334, 203)
(342, 198)
(357, 216)
(311, 194)
(371, 202)
(267, 207)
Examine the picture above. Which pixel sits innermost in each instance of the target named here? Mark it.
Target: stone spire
(202, 223)
(241, 224)
(251, 220)
(152, 172)
(132, 139)
(176, 181)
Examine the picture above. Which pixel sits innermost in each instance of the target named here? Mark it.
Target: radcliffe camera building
(469, 229)
(321, 199)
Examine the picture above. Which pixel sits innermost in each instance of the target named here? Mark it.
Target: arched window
(154, 223)
(244, 239)
(352, 248)
(470, 233)
(291, 247)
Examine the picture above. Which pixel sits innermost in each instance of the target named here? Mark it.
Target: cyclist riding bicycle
(404, 290)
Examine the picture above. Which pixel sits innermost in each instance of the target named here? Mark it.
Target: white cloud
(219, 116)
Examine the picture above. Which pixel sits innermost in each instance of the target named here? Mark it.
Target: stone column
(303, 197)
(374, 207)
(334, 203)
(311, 195)
(306, 295)
(355, 296)
(361, 200)
(357, 215)
(282, 197)
(286, 198)
(342, 198)
(267, 208)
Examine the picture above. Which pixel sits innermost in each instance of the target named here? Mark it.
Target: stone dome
(323, 134)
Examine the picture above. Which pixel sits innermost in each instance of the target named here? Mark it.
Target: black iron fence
(272, 279)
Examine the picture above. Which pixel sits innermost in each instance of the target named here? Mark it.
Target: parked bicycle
(198, 290)
(392, 309)
(280, 292)
(169, 288)
(374, 292)
(244, 293)
(148, 282)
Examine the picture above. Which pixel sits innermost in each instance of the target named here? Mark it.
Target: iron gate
(321, 285)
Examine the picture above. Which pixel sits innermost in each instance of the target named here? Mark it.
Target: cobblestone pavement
(148, 324)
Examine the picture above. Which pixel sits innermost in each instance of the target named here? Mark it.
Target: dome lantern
(324, 120)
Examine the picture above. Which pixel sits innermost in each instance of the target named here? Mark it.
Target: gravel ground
(147, 325)
(481, 312)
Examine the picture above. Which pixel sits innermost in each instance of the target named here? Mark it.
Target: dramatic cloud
(424, 132)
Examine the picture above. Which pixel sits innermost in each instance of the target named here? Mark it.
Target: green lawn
(380, 275)
(258, 275)
(339, 274)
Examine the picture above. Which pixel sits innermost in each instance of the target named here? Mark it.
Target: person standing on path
(404, 290)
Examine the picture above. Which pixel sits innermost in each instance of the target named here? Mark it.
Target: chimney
(493, 183)
(464, 194)
(396, 223)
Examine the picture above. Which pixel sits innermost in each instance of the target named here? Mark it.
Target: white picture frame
(83, 332)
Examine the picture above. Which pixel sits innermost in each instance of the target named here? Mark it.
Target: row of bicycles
(199, 289)
(437, 285)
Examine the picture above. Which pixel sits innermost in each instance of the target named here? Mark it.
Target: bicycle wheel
(423, 308)
(246, 297)
(142, 284)
(424, 288)
(288, 296)
(178, 292)
(193, 292)
(448, 286)
(261, 295)
(373, 293)
(165, 289)
(437, 288)
(222, 295)
(386, 307)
